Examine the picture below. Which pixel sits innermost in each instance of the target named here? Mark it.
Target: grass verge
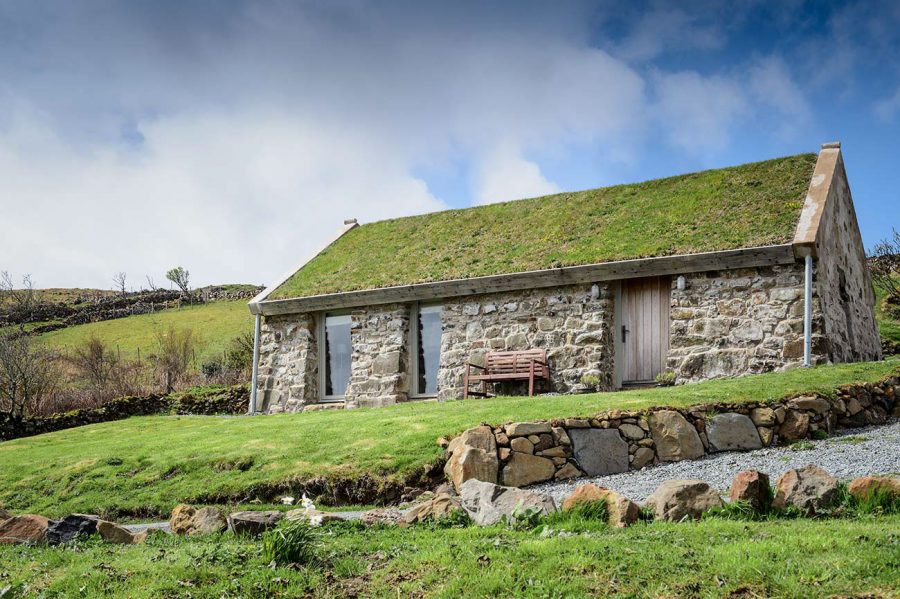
(146, 465)
(710, 558)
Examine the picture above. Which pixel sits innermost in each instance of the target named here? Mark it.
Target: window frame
(323, 354)
(414, 342)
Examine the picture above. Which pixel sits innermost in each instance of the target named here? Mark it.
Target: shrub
(291, 542)
(665, 379)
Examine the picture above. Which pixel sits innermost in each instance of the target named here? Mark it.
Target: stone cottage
(739, 270)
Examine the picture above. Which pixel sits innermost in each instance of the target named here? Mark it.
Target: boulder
(181, 518)
(524, 469)
(642, 457)
(622, 511)
(810, 489)
(795, 426)
(113, 533)
(677, 500)
(599, 451)
(383, 516)
(752, 486)
(523, 429)
(28, 528)
(186, 520)
(473, 454)
(674, 437)
(487, 503)
(208, 520)
(732, 432)
(438, 508)
(253, 523)
(568, 471)
(864, 486)
(762, 416)
(71, 527)
(471, 463)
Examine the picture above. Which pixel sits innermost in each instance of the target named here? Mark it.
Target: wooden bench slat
(530, 365)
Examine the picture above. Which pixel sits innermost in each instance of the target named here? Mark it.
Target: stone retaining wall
(525, 453)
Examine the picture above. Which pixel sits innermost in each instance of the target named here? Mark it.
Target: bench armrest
(470, 365)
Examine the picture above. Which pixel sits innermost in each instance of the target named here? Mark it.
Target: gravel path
(852, 453)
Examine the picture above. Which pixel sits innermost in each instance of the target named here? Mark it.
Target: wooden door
(644, 334)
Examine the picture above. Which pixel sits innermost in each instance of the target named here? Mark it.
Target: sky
(233, 138)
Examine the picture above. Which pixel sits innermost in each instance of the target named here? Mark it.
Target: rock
(642, 457)
(113, 533)
(384, 516)
(566, 472)
(304, 514)
(864, 486)
(732, 432)
(28, 528)
(816, 404)
(632, 431)
(810, 489)
(181, 518)
(523, 429)
(487, 503)
(622, 511)
(560, 436)
(445, 488)
(795, 426)
(677, 500)
(554, 452)
(440, 507)
(544, 443)
(71, 527)
(752, 486)
(186, 520)
(674, 437)
(763, 416)
(253, 523)
(522, 445)
(473, 454)
(471, 463)
(481, 437)
(599, 451)
(525, 469)
(207, 521)
(765, 435)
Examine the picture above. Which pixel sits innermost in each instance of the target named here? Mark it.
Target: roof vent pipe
(807, 312)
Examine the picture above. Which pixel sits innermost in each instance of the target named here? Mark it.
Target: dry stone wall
(380, 361)
(617, 441)
(288, 363)
(741, 321)
(572, 324)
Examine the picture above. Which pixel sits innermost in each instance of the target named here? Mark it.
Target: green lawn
(215, 324)
(888, 328)
(711, 558)
(744, 206)
(146, 465)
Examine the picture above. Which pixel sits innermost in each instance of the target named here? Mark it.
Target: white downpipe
(253, 379)
(807, 313)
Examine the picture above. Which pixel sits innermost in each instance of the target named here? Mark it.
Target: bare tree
(97, 365)
(175, 349)
(151, 283)
(24, 297)
(119, 282)
(884, 264)
(181, 278)
(28, 374)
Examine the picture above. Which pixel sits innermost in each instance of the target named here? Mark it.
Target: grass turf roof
(750, 205)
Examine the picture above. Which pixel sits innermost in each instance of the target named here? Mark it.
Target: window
(336, 353)
(426, 345)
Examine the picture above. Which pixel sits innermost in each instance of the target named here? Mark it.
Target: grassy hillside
(888, 328)
(215, 323)
(711, 558)
(148, 464)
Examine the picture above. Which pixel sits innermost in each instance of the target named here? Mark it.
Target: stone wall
(740, 321)
(574, 327)
(380, 362)
(288, 363)
(843, 281)
(525, 453)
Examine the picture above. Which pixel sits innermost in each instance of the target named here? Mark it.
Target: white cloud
(699, 112)
(507, 176)
(665, 29)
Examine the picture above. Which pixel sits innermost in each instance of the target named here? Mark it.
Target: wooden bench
(527, 365)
